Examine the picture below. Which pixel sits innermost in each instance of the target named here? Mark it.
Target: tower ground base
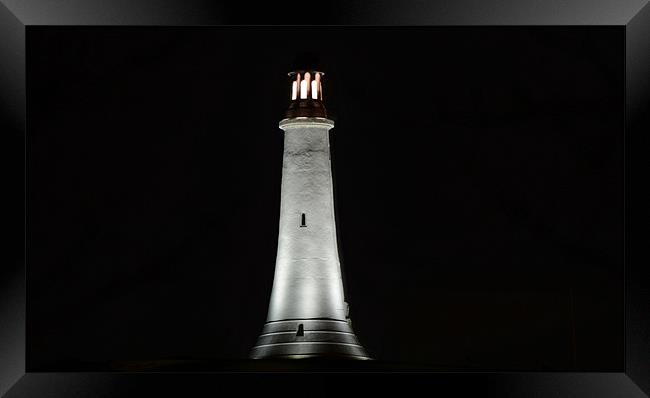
(308, 338)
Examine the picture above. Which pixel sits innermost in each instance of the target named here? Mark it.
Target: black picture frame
(16, 18)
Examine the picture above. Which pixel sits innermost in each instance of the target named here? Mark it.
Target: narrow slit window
(303, 220)
(301, 330)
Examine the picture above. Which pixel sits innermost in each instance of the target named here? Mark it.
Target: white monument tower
(308, 314)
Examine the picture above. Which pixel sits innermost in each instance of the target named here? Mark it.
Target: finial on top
(306, 94)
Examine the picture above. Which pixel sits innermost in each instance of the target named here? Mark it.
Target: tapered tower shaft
(308, 314)
(307, 282)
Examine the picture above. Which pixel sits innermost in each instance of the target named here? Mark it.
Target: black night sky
(478, 172)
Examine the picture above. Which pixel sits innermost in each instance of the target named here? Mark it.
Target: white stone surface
(307, 282)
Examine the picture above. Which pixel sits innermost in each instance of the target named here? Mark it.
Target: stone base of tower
(308, 338)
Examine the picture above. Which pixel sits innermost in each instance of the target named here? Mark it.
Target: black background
(478, 176)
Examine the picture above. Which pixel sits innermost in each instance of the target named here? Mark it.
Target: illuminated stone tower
(308, 315)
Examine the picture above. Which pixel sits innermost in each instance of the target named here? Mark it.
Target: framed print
(278, 198)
